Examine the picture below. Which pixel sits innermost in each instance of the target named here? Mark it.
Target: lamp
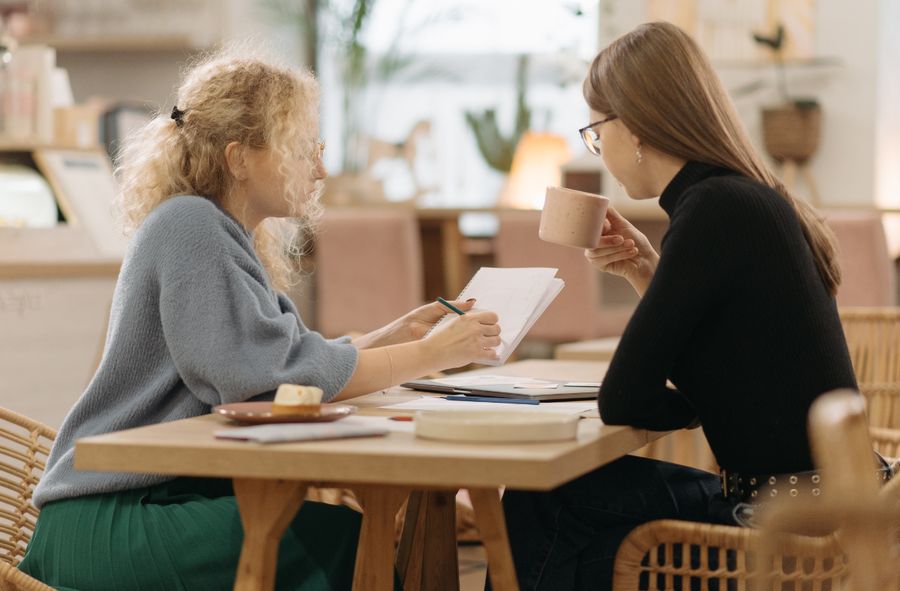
(535, 166)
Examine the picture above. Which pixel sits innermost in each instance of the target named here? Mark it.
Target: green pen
(449, 305)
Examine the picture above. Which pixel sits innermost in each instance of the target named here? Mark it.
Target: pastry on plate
(293, 399)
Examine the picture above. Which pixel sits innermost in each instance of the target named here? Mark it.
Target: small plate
(261, 412)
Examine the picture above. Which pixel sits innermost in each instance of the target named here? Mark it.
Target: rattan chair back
(873, 337)
(667, 554)
(24, 447)
(842, 451)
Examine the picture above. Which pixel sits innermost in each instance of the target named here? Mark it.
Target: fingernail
(470, 300)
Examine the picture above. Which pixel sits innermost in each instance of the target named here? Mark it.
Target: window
(463, 58)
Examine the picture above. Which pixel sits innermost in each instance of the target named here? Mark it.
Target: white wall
(887, 153)
(844, 166)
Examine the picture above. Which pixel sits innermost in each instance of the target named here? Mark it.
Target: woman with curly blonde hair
(199, 319)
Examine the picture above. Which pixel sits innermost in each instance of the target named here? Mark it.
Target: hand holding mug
(623, 250)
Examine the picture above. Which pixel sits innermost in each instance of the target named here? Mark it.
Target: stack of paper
(278, 433)
(440, 403)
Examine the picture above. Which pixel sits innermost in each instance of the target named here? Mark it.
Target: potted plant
(791, 130)
(497, 149)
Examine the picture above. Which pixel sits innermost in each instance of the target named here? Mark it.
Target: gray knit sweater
(194, 323)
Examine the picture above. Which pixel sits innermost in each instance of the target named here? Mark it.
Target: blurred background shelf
(106, 43)
(809, 62)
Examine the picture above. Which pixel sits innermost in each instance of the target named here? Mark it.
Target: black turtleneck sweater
(738, 318)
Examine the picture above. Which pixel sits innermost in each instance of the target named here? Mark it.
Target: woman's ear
(635, 141)
(236, 160)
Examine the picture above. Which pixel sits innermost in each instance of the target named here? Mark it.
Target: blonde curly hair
(229, 97)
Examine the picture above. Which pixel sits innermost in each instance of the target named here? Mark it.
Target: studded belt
(757, 488)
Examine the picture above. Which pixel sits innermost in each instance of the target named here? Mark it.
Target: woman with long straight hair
(737, 311)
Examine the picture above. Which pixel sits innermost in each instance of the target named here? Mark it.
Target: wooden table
(592, 350)
(270, 482)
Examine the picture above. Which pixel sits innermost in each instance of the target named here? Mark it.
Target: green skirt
(184, 534)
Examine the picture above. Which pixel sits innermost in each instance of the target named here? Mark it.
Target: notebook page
(514, 294)
(553, 289)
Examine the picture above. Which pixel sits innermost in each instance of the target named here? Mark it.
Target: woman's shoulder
(187, 210)
(192, 219)
(737, 195)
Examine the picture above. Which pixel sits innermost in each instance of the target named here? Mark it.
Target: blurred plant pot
(791, 132)
(353, 189)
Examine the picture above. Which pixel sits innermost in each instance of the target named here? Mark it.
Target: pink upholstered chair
(577, 313)
(368, 269)
(868, 271)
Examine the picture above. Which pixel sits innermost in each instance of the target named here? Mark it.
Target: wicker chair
(839, 434)
(24, 447)
(670, 554)
(873, 336)
(883, 404)
(883, 409)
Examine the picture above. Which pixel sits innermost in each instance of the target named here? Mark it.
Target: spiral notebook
(518, 295)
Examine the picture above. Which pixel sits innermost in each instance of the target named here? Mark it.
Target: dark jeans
(567, 538)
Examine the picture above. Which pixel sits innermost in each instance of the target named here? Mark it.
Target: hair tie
(178, 116)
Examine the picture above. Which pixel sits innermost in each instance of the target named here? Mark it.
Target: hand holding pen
(467, 337)
(416, 324)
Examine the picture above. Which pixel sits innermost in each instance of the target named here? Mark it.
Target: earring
(638, 157)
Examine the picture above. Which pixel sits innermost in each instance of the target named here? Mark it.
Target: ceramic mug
(572, 218)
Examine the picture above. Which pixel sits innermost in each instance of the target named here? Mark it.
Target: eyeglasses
(310, 150)
(591, 136)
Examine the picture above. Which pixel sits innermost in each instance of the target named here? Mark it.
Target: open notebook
(519, 296)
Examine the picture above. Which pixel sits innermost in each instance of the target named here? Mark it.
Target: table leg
(492, 527)
(267, 507)
(374, 569)
(789, 174)
(806, 171)
(427, 557)
(454, 260)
